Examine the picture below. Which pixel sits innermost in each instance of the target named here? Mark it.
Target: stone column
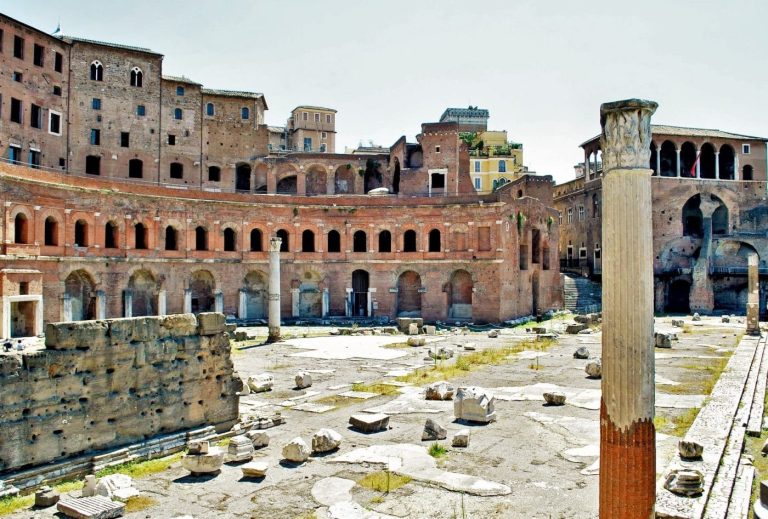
(187, 301)
(371, 291)
(677, 163)
(348, 302)
(101, 305)
(161, 303)
(658, 162)
(295, 302)
(218, 301)
(127, 303)
(242, 307)
(698, 163)
(274, 290)
(735, 166)
(753, 296)
(627, 433)
(326, 301)
(66, 307)
(717, 165)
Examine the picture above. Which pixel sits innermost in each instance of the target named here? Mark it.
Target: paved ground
(546, 456)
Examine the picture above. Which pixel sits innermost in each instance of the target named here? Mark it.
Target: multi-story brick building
(709, 214)
(312, 129)
(171, 192)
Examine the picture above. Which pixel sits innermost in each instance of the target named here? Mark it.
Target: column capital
(274, 244)
(626, 133)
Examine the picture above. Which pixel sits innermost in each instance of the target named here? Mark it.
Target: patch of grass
(471, 361)
(398, 345)
(382, 389)
(9, 505)
(141, 469)
(69, 486)
(676, 425)
(224, 442)
(377, 500)
(437, 451)
(711, 371)
(310, 514)
(138, 503)
(687, 328)
(383, 481)
(335, 400)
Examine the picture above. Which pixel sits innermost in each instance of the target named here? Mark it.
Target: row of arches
(360, 241)
(688, 161)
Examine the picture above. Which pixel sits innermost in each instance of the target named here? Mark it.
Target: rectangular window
(437, 149)
(323, 148)
(305, 116)
(328, 118)
(14, 154)
(54, 122)
(16, 110)
(36, 116)
(581, 213)
(58, 62)
(477, 166)
(171, 140)
(307, 144)
(570, 215)
(18, 47)
(34, 158)
(141, 111)
(125, 139)
(93, 165)
(477, 184)
(17, 76)
(39, 55)
(56, 90)
(582, 253)
(96, 103)
(179, 90)
(484, 238)
(745, 149)
(95, 137)
(323, 135)
(317, 118)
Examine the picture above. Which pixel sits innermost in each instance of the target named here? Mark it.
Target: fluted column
(627, 433)
(273, 321)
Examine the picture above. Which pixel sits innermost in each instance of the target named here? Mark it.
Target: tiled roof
(682, 131)
(181, 79)
(71, 39)
(232, 93)
(310, 107)
(276, 129)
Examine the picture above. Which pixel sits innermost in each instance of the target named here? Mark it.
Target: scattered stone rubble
(461, 438)
(255, 469)
(240, 448)
(416, 341)
(296, 451)
(685, 482)
(581, 353)
(203, 459)
(303, 380)
(369, 422)
(594, 368)
(690, 450)
(261, 383)
(441, 390)
(473, 404)
(45, 496)
(554, 398)
(326, 440)
(433, 431)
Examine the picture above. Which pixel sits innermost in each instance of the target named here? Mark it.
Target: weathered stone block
(255, 469)
(440, 391)
(178, 325)
(76, 335)
(368, 422)
(433, 431)
(303, 380)
(461, 438)
(326, 440)
(575, 328)
(581, 353)
(554, 398)
(473, 404)
(211, 323)
(296, 451)
(96, 507)
(416, 341)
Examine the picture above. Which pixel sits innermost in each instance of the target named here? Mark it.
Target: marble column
(162, 308)
(753, 295)
(295, 302)
(218, 301)
(677, 162)
(348, 303)
(698, 163)
(326, 302)
(717, 165)
(127, 303)
(735, 166)
(187, 301)
(658, 162)
(627, 433)
(242, 307)
(273, 315)
(101, 305)
(66, 307)
(371, 291)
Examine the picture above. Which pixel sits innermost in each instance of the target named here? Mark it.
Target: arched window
(434, 240)
(283, 235)
(245, 113)
(201, 238)
(110, 235)
(308, 241)
(230, 239)
(136, 77)
(178, 114)
(135, 168)
(409, 241)
(81, 233)
(51, 231)
(502, 166)
(243, 177)
(21, 229)
(171, 238)
(97, 71)
(210, 110)
(385, 241)
(177, 170)
(334, 241)
(140, 236)
(214, 174)
(256, 240)
(359, 242)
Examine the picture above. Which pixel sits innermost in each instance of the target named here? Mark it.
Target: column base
(274, 335)
(625, 458)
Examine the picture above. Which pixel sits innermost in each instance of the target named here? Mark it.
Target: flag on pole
(693, 168)
(58, 29)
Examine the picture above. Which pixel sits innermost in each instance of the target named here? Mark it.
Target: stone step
(755, 424)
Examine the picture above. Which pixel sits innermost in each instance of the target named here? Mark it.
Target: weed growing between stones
(382, 389)
(140, 469)
(383, 481)
(138, 503)
(11, 504)
(676, 425)
(397, 346)
(437, 451)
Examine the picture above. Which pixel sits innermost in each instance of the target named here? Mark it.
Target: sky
(542, 67)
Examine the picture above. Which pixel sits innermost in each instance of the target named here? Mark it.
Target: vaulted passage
(360, 285)
(459, 293)
(201, 287)
(256, 291)
(678, 297)
(243, 177)
(409, 294)
(144, 293)
(79, 289)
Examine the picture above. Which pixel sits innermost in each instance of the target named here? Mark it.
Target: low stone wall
(103, 384)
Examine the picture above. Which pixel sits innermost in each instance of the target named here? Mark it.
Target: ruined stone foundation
(104, 384)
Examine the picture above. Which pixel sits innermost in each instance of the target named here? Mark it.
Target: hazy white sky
(541, 67)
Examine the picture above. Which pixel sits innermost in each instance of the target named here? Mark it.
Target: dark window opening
(747, 173)
(214, 174)
(409, 241)
(18, 47)
(385, 241)
(171, 140)
(125, 139)
(39, 55)
(140, 236)
(93, 165)
(14, 154)
(210, 110)
(95, 137)
(137, 77)
(171, 238)
(36, 116)
(230, 240)
(54, 123)
(110, 235)
(81, 234)
(20, 229)
(359, 242)
(535, 245)
(17, 76)
(308, 241)
(256, 245)
(96, 103)
(434, 240)
(283, 235)
(16, 110)
(201, 238)
(23, 288)
(56, 90)
(179, 90)
(97, 71)
(58, 60)
(178, 114)
(34, 159)
(141, 110)
(177, 170)
(135, 168)
(51, 231)
(243, 177)
(334, 241)
(438, 181)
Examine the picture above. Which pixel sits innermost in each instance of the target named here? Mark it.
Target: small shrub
(383, 481)
(437, 451)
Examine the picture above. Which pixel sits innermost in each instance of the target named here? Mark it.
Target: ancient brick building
(167, 192)
(709, 214)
